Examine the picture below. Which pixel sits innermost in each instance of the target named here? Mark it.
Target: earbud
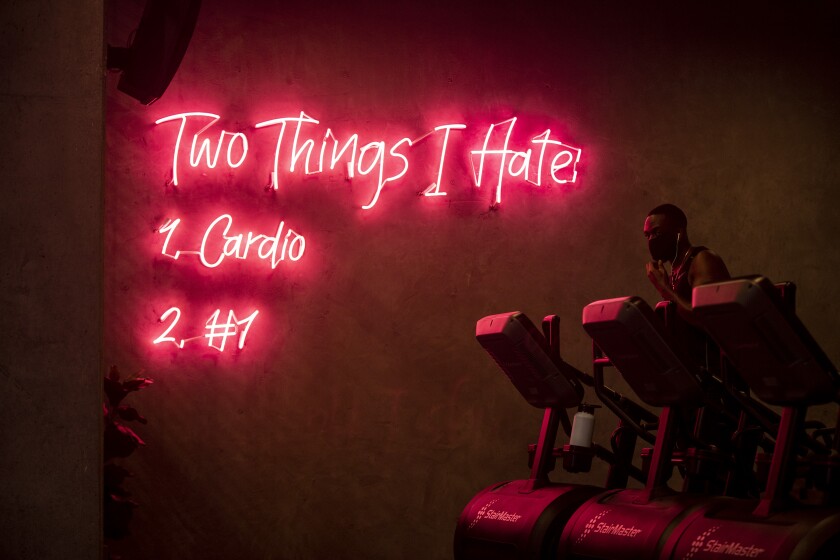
(676, 250)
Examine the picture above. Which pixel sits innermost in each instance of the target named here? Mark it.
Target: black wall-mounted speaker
(159, 44)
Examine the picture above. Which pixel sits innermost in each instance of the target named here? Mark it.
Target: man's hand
(658, 276)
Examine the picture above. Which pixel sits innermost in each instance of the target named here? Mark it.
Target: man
(667, 237)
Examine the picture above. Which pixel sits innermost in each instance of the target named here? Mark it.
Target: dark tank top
(702, 350)
(679, 277)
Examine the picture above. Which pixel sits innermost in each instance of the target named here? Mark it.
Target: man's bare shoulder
(707, 267)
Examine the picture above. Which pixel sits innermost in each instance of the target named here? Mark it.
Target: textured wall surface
(51, 219)
(361, 415)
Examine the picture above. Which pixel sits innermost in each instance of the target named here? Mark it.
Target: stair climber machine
(756, 327)
(523, 519)
(751, 483)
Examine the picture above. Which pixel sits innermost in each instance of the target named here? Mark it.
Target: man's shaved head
(675, 216)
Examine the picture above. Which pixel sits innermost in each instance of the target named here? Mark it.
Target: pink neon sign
(544, 161)
(566, 155)
(301, 144)
(217, 332)
(217, 243)
(205, 143)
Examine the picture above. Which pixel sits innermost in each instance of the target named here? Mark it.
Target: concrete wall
(362, 415)
(51, 218)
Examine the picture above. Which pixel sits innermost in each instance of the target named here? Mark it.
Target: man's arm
(658, 276)
(706, 268)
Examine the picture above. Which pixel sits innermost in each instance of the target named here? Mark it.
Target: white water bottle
(583, 425)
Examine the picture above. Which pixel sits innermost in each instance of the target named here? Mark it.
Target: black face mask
(663, 247)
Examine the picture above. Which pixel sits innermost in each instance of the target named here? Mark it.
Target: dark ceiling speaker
(159, 44)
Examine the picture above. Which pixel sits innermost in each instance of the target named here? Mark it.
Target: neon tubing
(183, 117)
(163, 337)
(436, 185)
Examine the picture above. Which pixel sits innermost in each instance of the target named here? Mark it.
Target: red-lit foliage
(120, 441)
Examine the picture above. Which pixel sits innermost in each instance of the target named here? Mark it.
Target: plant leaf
(114, 475)
(114, 391)
(120, 441)
(136, 384)
(116, 514)
(130, 413)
